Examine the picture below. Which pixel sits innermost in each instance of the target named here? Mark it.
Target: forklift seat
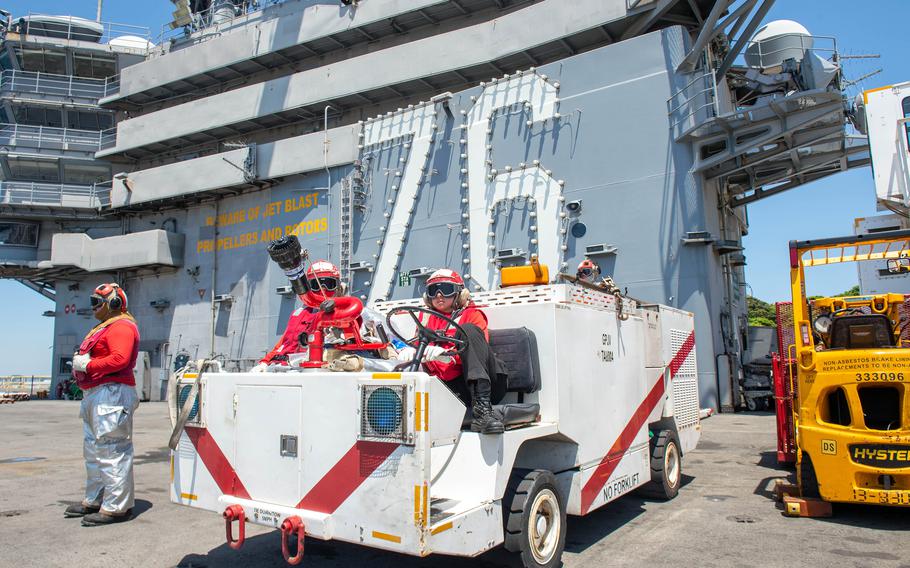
(868, 331)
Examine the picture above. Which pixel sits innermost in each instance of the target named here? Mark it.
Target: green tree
(851, 292)
(761, 313)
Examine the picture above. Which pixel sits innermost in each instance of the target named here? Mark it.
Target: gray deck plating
(722, 517)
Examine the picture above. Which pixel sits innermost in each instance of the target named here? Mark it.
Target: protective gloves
(260, 368)
(406, 354)
(436, 353)
(80, 362)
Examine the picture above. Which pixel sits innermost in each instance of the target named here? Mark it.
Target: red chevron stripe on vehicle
(608, 464)
(346, 476)
(329, 492)
(217, 465)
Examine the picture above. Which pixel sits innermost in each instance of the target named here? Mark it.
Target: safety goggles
(586, 272)
(96, 302)
(323, 283)
(447, 289)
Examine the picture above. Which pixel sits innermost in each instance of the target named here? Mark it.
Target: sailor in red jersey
(103, 369)
(324, 282)
(476, 376)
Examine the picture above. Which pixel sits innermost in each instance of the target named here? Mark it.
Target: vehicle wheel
(808, 482)
(535, 521)
(751, 404)
(666, 466)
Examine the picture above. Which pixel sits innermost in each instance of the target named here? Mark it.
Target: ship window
(19, 234)
(89, 120)
(41, 60)
(93, 65)
(34, 170)
(36, 116)
(86, 173)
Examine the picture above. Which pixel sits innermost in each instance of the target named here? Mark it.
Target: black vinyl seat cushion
(516, 348)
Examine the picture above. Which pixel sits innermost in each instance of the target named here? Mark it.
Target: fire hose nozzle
(287, 253)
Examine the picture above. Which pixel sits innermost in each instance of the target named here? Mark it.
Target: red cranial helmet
(110, 294)
(324, 281)
(588, 270)
(449, 284)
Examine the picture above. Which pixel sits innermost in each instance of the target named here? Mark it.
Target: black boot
(79, 510)
(485, 419)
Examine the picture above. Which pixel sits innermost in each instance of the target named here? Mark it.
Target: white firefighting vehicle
(601, 401)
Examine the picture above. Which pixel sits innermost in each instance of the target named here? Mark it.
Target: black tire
(666, 466)
(751, 404)
(532, 504)
(808, 482)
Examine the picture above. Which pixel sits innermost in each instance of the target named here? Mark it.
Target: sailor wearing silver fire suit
(103, 368)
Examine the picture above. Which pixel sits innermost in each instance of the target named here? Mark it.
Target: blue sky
(825, 208)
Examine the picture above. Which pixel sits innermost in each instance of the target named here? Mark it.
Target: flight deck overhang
(514, 41)
(235, 170)
(303, 33)
(153, 249)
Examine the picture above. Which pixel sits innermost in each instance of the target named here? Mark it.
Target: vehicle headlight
(383, 412)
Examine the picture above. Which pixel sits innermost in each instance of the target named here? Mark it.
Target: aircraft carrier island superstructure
(398, 136)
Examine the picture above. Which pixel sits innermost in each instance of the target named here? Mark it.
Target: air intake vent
(383, 414)
(183, 393)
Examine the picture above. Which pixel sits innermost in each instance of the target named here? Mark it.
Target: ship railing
(74, 28)
(102, 193)
(54, 194)
(694, 104)
(823, 46)
(15, 81)
(49, 137)
(111, 85)
(220, 14)
(108, 138)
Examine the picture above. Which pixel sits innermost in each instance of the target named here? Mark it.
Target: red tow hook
(288, 527)
(230, 514)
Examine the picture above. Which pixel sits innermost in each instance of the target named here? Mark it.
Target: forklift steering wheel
(425, 336)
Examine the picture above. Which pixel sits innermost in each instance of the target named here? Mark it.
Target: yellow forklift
(851, 360)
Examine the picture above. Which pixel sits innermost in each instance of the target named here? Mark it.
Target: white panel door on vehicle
(265, 413)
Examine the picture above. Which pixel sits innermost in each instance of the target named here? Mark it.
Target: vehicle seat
(517, 349)
(867, 331)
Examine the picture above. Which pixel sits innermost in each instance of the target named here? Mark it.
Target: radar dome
(776, 41)
(132, 42)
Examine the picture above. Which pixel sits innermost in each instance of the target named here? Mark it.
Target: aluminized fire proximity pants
(107, 421)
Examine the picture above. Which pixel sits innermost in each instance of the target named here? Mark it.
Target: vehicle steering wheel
(425, 336)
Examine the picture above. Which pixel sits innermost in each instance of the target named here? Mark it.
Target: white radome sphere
(776, 41)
